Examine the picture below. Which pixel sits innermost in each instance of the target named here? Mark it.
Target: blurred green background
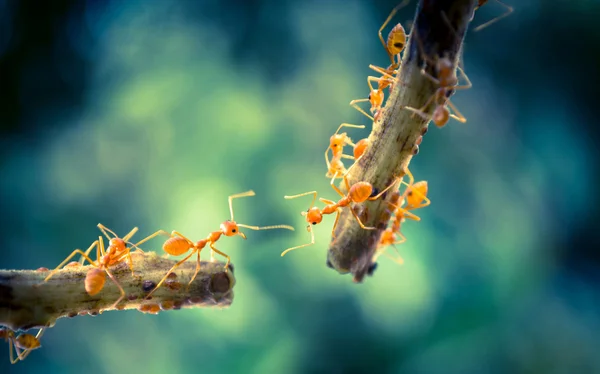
(150, 113)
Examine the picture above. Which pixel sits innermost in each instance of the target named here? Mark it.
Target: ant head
(336, 142)
(118, 244)
(441, 115)
(230, 228)
(5, 333)
(376, 98)
(313, 216)
(416, 194)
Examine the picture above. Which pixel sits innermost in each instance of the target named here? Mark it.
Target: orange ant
(25, 342)
(178, 244)
(357, 193)
(481, 3)
(116, 252)
(337, 142)
(394, 46)
(413, 196)
(416, 193)
(448, 84)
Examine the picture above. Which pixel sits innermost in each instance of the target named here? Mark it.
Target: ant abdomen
(360, 192)
(94, 281)
(176, 246)
(396, 39)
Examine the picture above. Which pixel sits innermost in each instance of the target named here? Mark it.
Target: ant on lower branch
(357, 193)
(25, 342)
(178, 244)
(116, 252)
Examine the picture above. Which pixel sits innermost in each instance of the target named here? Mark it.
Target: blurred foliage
(151, 113)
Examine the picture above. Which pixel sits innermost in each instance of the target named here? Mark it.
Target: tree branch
(440, 27)
(27, 303)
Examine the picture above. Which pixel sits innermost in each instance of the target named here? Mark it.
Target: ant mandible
(337, 142)
(116, 252)
(178, 244)
(25, 342)
(357, 193)
(481, 3)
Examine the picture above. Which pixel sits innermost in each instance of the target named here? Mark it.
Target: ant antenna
(256, 228)
(509, 10)
(243, 194)
(314, 193)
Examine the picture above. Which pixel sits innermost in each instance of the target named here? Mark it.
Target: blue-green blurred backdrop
(150, 113)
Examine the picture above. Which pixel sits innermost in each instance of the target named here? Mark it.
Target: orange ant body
(447, 82)
(360, 147)
(481, 3)
(394, 46)
(357, 193)
(116, 252)
(337, 142)
(415, 196)
(178, 244)
(24, 341)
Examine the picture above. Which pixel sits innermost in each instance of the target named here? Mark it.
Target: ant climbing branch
(26, 301)
(432, 51)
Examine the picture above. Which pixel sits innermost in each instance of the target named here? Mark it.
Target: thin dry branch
(441, 26)
(26, 303)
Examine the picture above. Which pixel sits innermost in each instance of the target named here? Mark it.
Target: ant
(448, 84)
(416, 193)
(25, 342)
(337, 142)
(178, 244)
(116, 252)
(357, 193)
(413, 196)
(481, 3)
(394, 46)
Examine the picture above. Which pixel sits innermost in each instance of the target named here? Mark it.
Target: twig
(26, 303)
(441, 26)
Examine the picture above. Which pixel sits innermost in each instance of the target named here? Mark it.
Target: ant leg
(359, 221)
(399, 260)
(304, 194)
(465, 86)
(337, 218)
(348, 125)
(383, 72)
(332, 183)
(120, 289)
(243, 194)
(354, 104)
(312, 241)
(104, 229)
(212, 246)
(421, 112)
(87, 252)
(326, 201)
(73, 254)
(509, 10)
(197, 269)
(130, 234)
(458, 115)
(159, 232)
(385, 190)
(169, 272)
